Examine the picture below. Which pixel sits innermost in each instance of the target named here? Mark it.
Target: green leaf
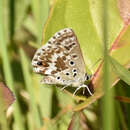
(29, 84)
(7, 66)
(44, 95)
(40, 9)
(123, 73)
(18, 13)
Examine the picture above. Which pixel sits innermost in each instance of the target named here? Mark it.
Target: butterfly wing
(60, 60)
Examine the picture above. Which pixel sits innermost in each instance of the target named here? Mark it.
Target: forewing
(61, 57)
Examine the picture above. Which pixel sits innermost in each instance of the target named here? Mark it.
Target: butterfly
(60, 61)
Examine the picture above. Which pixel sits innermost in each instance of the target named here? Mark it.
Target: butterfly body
(60, 60)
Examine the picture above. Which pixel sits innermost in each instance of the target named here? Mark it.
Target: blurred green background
(44, 107)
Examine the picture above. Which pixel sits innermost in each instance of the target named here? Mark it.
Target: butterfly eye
(58, 77)
(39, 63)
(87, 76)
(71, 63)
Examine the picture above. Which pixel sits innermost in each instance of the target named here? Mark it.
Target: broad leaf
(86, 19)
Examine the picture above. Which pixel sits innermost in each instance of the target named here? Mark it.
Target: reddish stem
(118, 37)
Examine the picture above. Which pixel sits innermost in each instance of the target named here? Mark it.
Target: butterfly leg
(64, 87)
(83, 86)
(83, 91)
(76, 90)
